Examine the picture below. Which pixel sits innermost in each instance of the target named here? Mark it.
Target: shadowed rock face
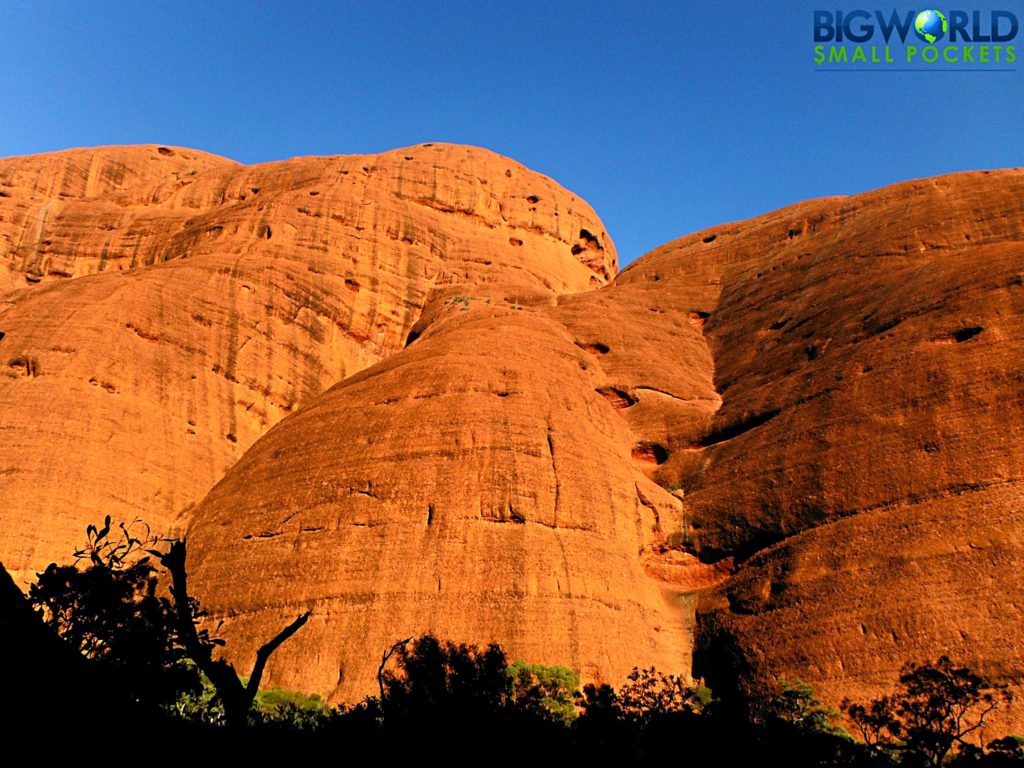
(866, 462)
(427, 411)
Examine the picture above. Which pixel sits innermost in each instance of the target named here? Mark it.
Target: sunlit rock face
(408, 392)
(161, 308)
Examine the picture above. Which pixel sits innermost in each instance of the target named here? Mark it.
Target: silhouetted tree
(235, 693)
(105, 606)
(649, 693)
(939, 707)
(443, 679)
(643, 721)
(464, 698)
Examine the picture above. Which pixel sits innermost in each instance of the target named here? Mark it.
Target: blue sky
(666, 117)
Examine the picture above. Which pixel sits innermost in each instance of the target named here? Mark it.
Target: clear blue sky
(666, 116)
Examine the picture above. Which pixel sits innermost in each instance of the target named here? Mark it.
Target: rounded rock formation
(164, 307)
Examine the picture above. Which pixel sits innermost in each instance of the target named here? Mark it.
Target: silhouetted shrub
(106, 607)
(435, 679)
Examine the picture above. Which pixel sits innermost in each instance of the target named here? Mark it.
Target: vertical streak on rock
(554, 473)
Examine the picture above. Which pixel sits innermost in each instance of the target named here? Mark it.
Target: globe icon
(930, 25)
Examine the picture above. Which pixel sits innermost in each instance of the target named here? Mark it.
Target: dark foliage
(432, 676)
(106, 607)
(147, 649)
(941, 708)
(138, 654)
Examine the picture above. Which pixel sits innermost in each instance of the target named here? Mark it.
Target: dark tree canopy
(106, 607)
(941, 707)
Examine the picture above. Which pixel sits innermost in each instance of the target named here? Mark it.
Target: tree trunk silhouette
(236, 697)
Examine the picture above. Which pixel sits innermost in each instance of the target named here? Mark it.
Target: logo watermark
(918, 40)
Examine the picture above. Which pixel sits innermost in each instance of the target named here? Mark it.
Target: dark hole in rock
(313, 192)
(812, 351)
(4, 194)
(427, 145)
(29, 365)
(516, 241)
(589, 240)
(165, 151)
(777, 325)
(254, 190)
(408, 157)
(413, 335)
(508, 172)
(650, 453)
(264, 231)
(533, 199)
(966, 334)
(596, 347)
(502, 393)
(794, 233)
(2, 334)
(230, 436)
(888, 325)
(710, 238)
(352, 285)
(618, 398)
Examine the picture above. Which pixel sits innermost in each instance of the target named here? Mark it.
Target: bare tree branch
(264, 652)
(236, 697)
(384, 661)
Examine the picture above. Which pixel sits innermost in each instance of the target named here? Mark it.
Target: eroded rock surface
(164, 307)
(421, 406)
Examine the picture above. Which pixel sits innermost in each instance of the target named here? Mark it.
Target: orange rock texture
(404, 391)
(162, 308)
(866, 463)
